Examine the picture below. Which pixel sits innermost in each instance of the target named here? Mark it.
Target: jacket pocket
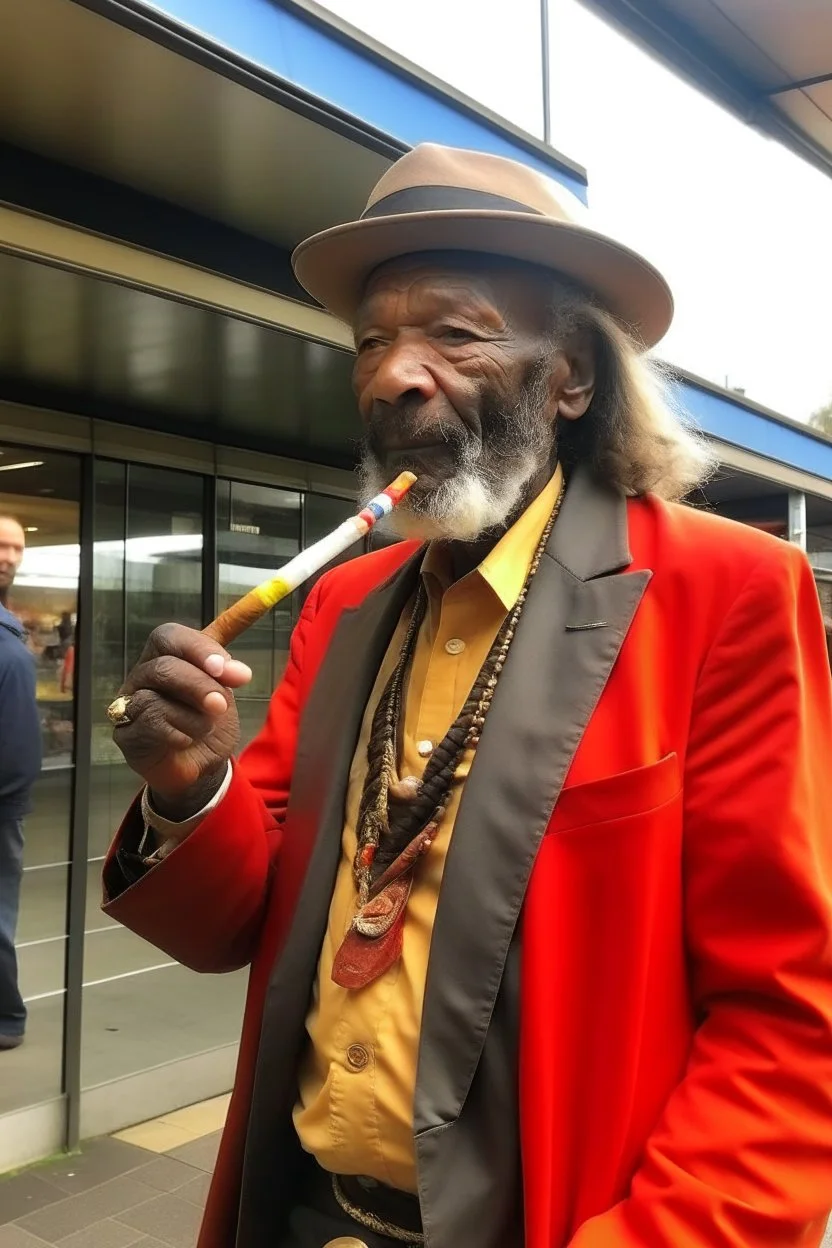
(617, 797)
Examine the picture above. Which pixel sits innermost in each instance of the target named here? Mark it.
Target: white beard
(487, 487)
(461, 509)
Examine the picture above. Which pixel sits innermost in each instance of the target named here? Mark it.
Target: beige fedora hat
(446, 199)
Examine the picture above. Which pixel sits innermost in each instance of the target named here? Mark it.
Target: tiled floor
(145, 1187)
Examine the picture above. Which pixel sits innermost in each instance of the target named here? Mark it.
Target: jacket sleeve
(742, 1155)
(20, 745)
(205, 903)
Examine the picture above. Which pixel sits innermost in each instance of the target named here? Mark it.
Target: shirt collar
(506, 566)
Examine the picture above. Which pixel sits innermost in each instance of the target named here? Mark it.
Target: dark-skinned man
(531, 860)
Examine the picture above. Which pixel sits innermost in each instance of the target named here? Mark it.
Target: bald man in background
(20, 756)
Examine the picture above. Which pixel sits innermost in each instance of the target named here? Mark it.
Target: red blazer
(676, 1004)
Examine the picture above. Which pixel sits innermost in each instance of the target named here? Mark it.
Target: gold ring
(117, 711)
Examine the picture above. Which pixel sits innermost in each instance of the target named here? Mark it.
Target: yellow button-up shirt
(357, 1082)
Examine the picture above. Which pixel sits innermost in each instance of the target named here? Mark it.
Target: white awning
(769, 61)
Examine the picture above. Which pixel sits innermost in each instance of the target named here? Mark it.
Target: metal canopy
(106, 98)
(73, 342)
(768, 61)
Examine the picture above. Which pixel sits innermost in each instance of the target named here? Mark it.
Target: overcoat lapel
(326, 743)
(572, 628)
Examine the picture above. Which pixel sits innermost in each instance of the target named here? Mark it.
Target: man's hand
(183, 720)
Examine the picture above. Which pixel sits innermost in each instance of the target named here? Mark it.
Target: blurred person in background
(20, 755)
(66, 631)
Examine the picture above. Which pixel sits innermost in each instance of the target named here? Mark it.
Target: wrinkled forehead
(460, 278)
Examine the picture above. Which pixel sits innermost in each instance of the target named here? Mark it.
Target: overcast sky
(740, 227)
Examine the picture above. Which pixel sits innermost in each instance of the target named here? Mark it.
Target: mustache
(407, 425)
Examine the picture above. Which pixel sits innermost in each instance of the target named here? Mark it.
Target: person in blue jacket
(20, 755)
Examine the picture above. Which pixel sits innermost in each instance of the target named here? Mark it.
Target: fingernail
(215, 702)
(214, 664)
(238, 669)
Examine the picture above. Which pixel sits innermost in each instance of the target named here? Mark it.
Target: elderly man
(531, 861)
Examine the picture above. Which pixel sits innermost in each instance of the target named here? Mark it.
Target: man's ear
(573, 379)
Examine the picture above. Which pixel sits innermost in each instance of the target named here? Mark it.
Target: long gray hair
(634, 436)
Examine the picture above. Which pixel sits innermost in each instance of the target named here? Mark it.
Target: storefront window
(258, 529)
(322, 513)
(140, 1008)
(41, 491)
(819, 546)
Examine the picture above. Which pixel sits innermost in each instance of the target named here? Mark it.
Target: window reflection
(322, 513)
(41, 491)
(140, 1009)
(819, 546)
(258, 529)
(163, 552)
(147, 569)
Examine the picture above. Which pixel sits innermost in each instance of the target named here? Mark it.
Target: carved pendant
(363, 957)
(374, 942)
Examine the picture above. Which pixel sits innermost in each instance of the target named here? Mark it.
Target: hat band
(443, 199)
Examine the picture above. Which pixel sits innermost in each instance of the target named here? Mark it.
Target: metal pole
(210, 571)
(544, 65)
(80, 816)
(797, 519)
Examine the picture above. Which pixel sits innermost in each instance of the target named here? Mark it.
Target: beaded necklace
(398, 818)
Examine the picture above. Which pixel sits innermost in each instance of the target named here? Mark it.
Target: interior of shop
(154, 532)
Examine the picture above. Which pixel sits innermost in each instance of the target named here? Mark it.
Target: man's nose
(403, 370)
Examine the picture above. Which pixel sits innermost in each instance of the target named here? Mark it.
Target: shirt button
(455, 646)
(357, 1057)
(424, 748)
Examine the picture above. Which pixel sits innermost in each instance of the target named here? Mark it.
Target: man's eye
(368, 344)
(453, 333)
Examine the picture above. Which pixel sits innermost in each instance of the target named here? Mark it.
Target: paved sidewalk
(145, 1187)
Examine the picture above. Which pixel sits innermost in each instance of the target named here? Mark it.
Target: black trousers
(12, 1009)
(318, 1218)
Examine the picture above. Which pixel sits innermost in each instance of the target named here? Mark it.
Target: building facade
(175, 421)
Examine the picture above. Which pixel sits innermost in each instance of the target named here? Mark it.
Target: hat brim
(334, 265)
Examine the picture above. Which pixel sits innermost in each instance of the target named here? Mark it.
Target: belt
(381, 1209)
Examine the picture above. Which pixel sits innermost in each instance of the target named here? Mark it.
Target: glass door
(258, 529)
(141, 1010)
(39, 509)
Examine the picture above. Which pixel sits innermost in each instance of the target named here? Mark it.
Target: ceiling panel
(796, 34)
(111, 351)
(771, 43)
(812, 111)
(742, 52)
(713, 23)
(95, 95)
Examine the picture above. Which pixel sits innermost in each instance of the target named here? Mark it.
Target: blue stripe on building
(752, 430)
(303, 51)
